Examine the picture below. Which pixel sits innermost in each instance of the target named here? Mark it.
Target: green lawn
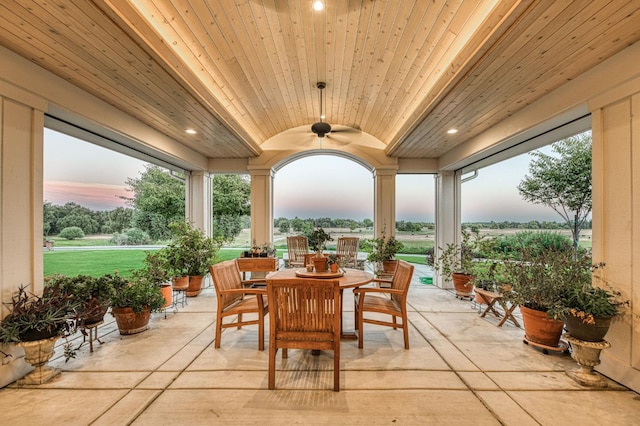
(99, 262)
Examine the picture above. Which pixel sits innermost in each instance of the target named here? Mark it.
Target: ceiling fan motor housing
(321, 128)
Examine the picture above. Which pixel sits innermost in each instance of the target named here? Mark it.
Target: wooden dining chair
(347, 250)
(304, 314)
(298, 247)
(390, 301)
(237, 297)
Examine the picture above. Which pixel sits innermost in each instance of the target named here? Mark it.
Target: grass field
(99, 262)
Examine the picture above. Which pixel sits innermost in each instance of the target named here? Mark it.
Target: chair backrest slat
(297, 247)
(402, 280)
(226, 276)
(347, 250)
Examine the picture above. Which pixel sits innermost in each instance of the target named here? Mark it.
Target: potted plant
(157, 270)
(589, 310)
(318, 242)
(190, 253)
(455, 262)
(382, 251)
(133, 303)
(35, 323)
(539, 284)
(333, 260)
(93, 294)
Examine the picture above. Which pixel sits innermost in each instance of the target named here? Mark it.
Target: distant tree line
(304, 226)
(157, 200)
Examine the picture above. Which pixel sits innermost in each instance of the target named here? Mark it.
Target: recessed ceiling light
(191, 131)
(452, 131)
(318, 5)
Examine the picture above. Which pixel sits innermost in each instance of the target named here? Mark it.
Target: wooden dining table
(350, 278)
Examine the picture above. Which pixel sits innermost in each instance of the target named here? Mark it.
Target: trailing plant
(33, 317)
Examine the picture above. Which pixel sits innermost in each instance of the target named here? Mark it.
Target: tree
(562, 182)
(119, 219)
(231, 201)
(158, 201)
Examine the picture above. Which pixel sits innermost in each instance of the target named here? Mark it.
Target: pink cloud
(94, 196)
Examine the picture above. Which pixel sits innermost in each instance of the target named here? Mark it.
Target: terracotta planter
(195, 285)
(540, 329)
(320, 264)
(130, 322)
(181, 283)
(38, 353)
(334, 267)
(588, 332)
(167, 293)
(462, 284)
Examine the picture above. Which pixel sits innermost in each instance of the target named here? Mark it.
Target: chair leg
(360, 328)
(218, 330)
(260, 332)
(405, 329)
(336, 368)
(272, 365)
(355, 311)
(239, 321)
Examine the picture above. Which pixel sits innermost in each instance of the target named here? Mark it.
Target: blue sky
(318, 186)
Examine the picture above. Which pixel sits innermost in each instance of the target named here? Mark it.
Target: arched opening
(323, 189)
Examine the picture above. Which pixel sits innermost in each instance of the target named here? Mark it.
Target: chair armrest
(253, 282)
(248, 290)
(378, 281)
(377, 290)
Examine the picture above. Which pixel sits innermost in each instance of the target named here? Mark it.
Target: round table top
(351, 278)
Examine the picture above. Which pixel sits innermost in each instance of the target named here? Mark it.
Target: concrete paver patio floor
(461, 369)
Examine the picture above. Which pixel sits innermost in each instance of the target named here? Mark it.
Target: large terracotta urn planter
(462, 285)
(195, 285)
(131, 322)
(540, 329)
(38, 353)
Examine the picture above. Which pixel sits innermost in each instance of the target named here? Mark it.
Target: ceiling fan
(322, 128)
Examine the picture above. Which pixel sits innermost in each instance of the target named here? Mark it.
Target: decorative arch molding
(288, 146)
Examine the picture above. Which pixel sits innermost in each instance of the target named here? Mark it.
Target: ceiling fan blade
(345, 129)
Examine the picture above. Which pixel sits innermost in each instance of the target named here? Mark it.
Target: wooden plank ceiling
(242, 71)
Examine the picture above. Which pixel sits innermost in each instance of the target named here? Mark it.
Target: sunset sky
(318, 186)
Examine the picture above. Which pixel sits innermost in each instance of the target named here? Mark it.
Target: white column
(21, 199)
(198, 203)
(261, 206)
(448, 223)
(384, 201)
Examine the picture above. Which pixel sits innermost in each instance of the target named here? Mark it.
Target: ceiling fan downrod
(321, 128)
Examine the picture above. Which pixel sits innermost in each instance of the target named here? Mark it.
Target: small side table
(93, 335)
(491, 298)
